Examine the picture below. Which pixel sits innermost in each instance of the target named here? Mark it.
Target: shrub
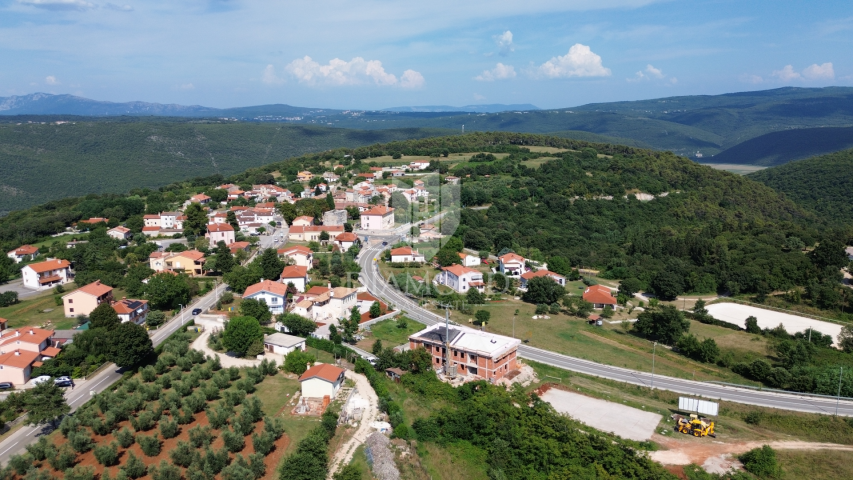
(216, 363)
(124, 437)
(200, 436)
(297, 361)
(149, 444)
(234, 441)
(182, 454)
(134, 467)
(143, 422)
(36, 474)
(253, 409)
(80, 473)
(169, 428)
(68, 425)
(131, 385)
(21, 463)
(107, 455)
(221, 381)
(64, 458)
(233, 373)
(195, 402)
(246, 385)
(165, 471)
(183, 388)
(753, 418)
(760, 461)
(219, 415)
(165, 381)
(275, 426)
(210, 391)
(263, 443)
(214, 462)
(255, 348)
(235, 397)
(268, 367)
(80, 441)
(256, 465)
(184, 417)
(243, 425)
(149, 374)
(41, 449)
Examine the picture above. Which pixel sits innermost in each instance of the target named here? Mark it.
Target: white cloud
(753, 79)
(51, 80)
(186, 86)
(579, 62)
(357, 71)
(819, 72)
(478, 97)
(505, 44)
(120, 8)
(649, 73)
(500, 72)
(59, 4)
(411, 79)
(269, 76)
(812, 72)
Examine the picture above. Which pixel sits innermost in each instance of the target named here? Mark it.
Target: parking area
(737, 314)
(627, 422)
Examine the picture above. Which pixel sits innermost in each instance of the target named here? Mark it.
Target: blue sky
(371, 54)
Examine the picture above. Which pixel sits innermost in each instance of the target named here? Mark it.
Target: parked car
(63, 382)
(384, 243)
(6, 386)
(41, 379)
(196, 311)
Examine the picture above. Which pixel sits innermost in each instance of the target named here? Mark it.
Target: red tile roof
(316, 228)
(32, 335)
(380, 210)
(150, 229)
(238, 246)
(540, 273)
(294, 271)
(266, 286)
(325, 371)
(346, 237)
(458, 270)
(599, 294)
(316, 291)
(301, 249)
(50, 352)
(96, 289)
(304, 218)
(403, 251)
(194, 255)
(126, 306)
(510, 257)
(25, 250)
(18, 359)
(49, 265)
(219, 227)
(120, 229)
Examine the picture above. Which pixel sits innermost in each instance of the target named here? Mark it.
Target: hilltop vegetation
(778, 148)
(824, 184)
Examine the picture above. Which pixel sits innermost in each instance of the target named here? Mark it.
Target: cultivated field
(735, 168)
(737, 314)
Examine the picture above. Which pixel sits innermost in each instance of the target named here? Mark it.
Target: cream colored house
(85, 299)
(302, 256)
(321, 380)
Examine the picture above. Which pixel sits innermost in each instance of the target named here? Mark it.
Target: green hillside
(42, 162)
(823, 183)
(777, 148)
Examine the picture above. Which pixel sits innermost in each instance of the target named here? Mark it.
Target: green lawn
(31, 312)
(389, 333)
(275, 393)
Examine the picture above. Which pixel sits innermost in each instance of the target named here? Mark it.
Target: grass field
(537, 162)
(735, 168)
(32, 311)
(815, 465)
(276, 393)
(389, 333)
(547, 149)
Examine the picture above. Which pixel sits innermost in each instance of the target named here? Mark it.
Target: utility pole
(838, 397)
(654, 349)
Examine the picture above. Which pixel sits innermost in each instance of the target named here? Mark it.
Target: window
(71, 310)
(70, 300)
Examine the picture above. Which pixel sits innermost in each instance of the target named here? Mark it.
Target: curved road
(377, 286)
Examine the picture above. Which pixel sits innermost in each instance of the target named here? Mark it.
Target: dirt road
(370, 415)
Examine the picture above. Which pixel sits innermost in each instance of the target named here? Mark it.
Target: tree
(348, 472)
(7, 268)
(377, 347)
(271, 264)
(667, 285)
(218, 195)
(256, 309)
(752, 325)
(829, 253)
(130, 345)
(45, 404)
(375, 310)
(845, 338)
(760, 462)
(223, 259)
(629, 287)
(155, 318)
(501, 282)
(297, 324)
(297, 362)
(481, 317)
(474, 297)
(166, 291)
(543, 290)
(559, 265)
(196, 222)
(240, 333)
(446, 257)
(665, 323)
(104, 316)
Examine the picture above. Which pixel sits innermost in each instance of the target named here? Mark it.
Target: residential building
(460, 278)
(86, 298)
(599, 296)
(378, 218)
(94, 221)
(331, 177)
(312, 233)
(406, 255)
(296, 275)
(420, 165)
(16, 366)
(303, 221)
(119, 233)
(274, 294)
(469, 260)
(282, 343)
(346, 240)
(452, 180)
(30, 339)
(335, 217)
(511, 264)
(131, 310)
(23, 253)
(322, 380)
(305, 176)
(334, 304)
(200, 198)
(46, 274)
(237, 246)
(527, 276)
(190, 262)
(473, 353)
(220, 232)
(301, 255)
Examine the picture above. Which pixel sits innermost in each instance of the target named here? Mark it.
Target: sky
(373, 54)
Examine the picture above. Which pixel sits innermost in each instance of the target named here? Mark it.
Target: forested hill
(42, 162)
(824, 184)
(778, 148)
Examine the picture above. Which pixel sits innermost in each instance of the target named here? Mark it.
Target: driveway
(368, 416)
(200, 344)
(18, 286)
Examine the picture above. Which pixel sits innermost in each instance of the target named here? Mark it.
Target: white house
(131, 310)
(527, 276)
(282, 343)
(23, 253)
(220, 232)
(460, 278)
(303, 221)
(274, 294)
(406, 255)
(378, 218)
(334, 304)
(296, 275)
(511, 264)
(321, 380)
(302, 256)
(119, 233)
(46, 274)
(469, 260)
(346, 240)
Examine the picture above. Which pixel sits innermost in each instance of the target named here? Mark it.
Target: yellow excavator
(695, 425)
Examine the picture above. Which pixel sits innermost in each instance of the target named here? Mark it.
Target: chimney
(17, 352)
(329, 285)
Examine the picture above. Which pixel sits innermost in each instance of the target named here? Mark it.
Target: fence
(379, 319)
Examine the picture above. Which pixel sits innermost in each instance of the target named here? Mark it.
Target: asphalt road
(378, 287)
(83, 391)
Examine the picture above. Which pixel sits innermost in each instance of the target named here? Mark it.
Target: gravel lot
(737, 314)
(627, 422)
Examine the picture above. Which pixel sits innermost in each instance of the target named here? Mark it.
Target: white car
(41, 379)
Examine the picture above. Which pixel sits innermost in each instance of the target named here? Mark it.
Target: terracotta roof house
(321, 380)
(200, 198)
(234, 247)
(511, 264)
(378, 218)
(301, 255)
(311, 233)
(460, 278)
(274, 294)
(296, 275)
(130, 310)
(469, 260)
(406, 255)
(220, 232)
(94, 220)
(303, 221)
(16, 366)
(119, 233)
(46, 274)
(527, 276)
(346, 240)
(599, 296)
(86, 298)
(23, 253)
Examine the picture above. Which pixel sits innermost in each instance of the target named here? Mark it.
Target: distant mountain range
(491, 108)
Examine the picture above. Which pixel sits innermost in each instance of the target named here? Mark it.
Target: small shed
(394, 374)
(282, 344)
(321, 380)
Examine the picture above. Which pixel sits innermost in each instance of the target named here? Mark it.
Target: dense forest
(824, 184)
